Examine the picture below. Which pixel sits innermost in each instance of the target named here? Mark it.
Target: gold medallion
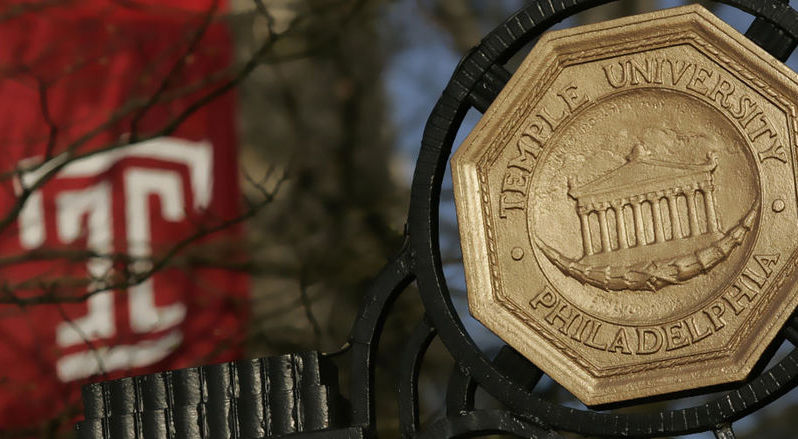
(628, 205)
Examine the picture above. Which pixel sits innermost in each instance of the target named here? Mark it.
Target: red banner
(76, 301)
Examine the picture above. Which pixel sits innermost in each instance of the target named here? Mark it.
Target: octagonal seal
(627, 206)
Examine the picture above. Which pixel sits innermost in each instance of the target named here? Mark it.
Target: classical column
(620, 224)
(676, 227)
(605, 231)
(587, 242)
(656, 212)
(709, 205)
(640, 229)
(690, 193)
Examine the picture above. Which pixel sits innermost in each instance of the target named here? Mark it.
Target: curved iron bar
(411, 359)
(482, 422)
(461, 389)
(365, 334)
(437, 141)
(460, 392)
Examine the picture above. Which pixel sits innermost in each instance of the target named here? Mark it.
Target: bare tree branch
(307, 305)
(44, 103)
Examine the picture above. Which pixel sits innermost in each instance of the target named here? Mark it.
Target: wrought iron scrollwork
(297, 394)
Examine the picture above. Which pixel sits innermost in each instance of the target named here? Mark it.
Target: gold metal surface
(628, 206)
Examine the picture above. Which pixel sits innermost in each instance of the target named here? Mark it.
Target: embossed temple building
(656, 193)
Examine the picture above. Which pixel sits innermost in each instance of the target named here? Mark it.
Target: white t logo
(95, 202)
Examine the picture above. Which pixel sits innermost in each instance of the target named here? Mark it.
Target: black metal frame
(297, 394)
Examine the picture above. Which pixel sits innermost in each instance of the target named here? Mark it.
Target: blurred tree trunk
(322, 120)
